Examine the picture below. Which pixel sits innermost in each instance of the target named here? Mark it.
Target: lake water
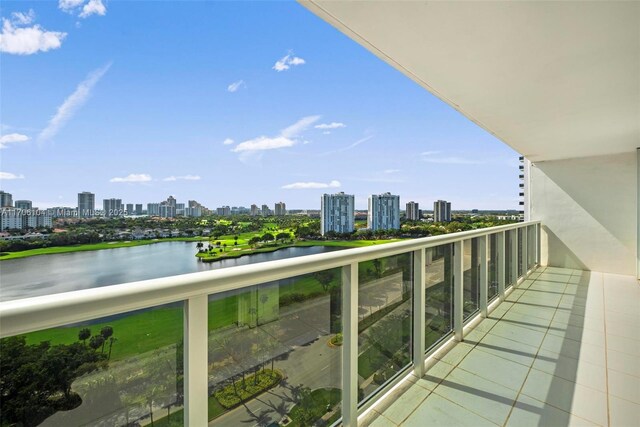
(50, 274)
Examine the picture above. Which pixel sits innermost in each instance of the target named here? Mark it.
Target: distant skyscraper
(254, 210)
(412, 211)
(384, 212)
(224, 211)
(167, 210)
(153, 209)
(337, 213)
(6, 200)
(441, 211)
(171, 201)
(130, 209)
(138, 208)
(86, 204)
(23, 204)
(112, 207)
(280, 209)
(265, 210)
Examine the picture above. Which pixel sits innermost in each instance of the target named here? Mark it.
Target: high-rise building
(337, 213)
(441, 211)
(138, 209)
(167, 210)
(23, 204)
(280, 209)
(153, 209)
(224, 211)
(86, 204)
(171, 201)
(129, 208)
(254, 210)
(6, 200)
(112, 207)
(412, 211)
(180, 209)
(384, 212)
(265, 210)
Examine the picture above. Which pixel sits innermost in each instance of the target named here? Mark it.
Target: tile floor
(562, 350)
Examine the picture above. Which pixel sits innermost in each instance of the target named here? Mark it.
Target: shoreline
(93, 247)
(227, 255)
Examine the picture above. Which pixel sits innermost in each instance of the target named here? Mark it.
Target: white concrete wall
(588, 212)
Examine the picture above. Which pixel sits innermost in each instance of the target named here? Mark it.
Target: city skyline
(270, 100)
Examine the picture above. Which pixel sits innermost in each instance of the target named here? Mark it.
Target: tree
(84, 335)
(106, 332)
(283, 236)
(96, 342)
(267, 237)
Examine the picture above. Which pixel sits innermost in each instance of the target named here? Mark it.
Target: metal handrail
(42, 312)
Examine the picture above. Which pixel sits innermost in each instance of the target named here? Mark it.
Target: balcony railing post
(419, 311)
(538, 245)
(525, 255)
(514, 256)
(483, 243)
(458, 291)
(196, 376)
(501, 263)
(350, 345)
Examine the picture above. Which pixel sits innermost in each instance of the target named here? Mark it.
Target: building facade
(112, 207)
(337, 213)
(23, 204)
(6, 200)
(384, 212)
(280, 209)
(412, 211)
(441, 211)
(86, 204)
(153, 209)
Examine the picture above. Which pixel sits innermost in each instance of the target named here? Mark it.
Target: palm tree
(96, 342)
(106, 332)
(84, 335)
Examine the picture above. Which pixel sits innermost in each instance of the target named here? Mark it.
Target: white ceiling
(553, 80)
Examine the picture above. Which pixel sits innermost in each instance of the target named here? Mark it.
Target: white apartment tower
(412, 211)
(112, 207)
(441, 211)
(337, 213)
(384, 212)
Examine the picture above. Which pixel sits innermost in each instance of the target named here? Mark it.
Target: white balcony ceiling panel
(553, 80)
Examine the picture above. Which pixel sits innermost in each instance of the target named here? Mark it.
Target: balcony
(382, 312)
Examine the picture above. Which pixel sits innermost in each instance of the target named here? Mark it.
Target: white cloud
(182, 178)
(9, 176)
(72, 103)
(20, 18)
(233, 87)
(228, 141)
(19, 40)
(332, 125)
(390, 171)
(286, 138)
(69, 5)
(311, 185)
(287, 61)
(428, 156)
(12, 138)
(94, 7)
(140, 177)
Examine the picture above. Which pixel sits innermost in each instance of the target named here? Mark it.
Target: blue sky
(227, 103)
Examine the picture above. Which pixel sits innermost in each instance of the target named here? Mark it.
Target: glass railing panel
(438, 294)
(509, 280)
(531, 246)
(123, 370)
(492, 259)
(385, 313)
(471, 277)
(520, 252)
(274, 352)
